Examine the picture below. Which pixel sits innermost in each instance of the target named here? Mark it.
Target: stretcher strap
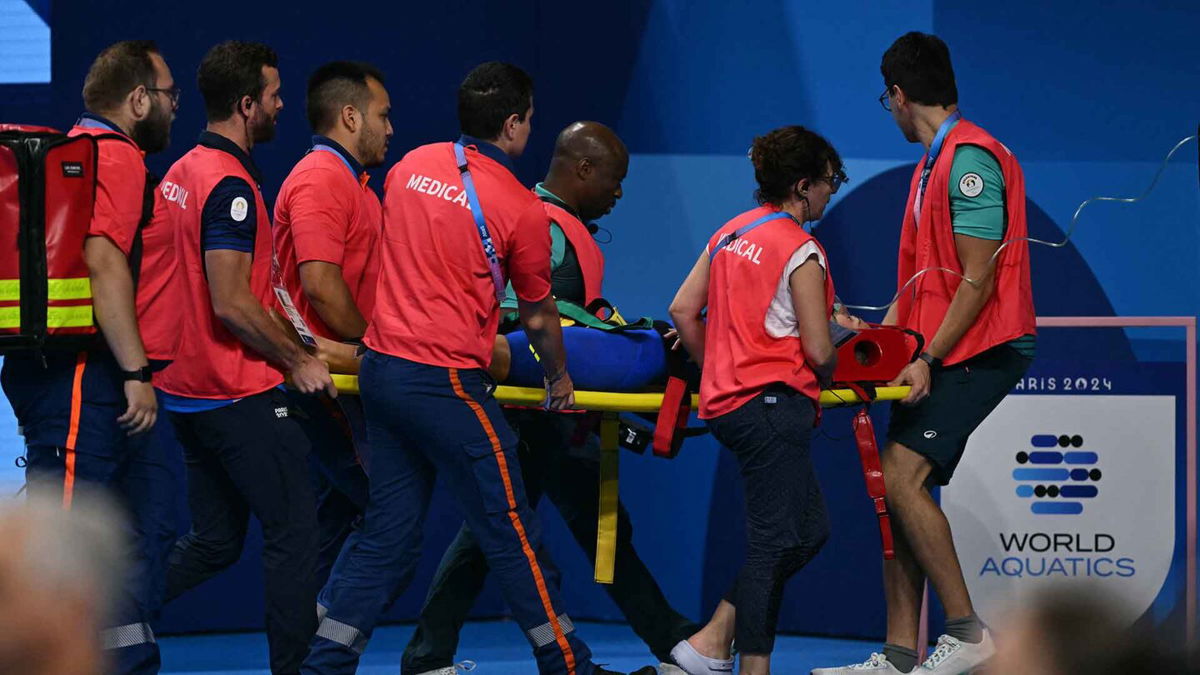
(606, 526)
(672, 418)
(868, 453)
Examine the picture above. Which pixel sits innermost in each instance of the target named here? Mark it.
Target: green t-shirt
(977, 194)
(977, 207)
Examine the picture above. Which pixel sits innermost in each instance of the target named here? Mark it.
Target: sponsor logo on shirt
(436, 188)
(971, 184)
(238, 209)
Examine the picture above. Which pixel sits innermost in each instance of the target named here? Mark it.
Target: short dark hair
(337, 84)
(230, 71)
(489, 95)
(786, 155)
(118, 70)
(920, 64)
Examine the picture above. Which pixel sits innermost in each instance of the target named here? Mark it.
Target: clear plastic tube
(1066, 238)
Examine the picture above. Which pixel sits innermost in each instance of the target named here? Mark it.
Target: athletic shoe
(877, 664)
(645, 670)
(670, 669)
(460, 667)
(953, 657)
(693, 662)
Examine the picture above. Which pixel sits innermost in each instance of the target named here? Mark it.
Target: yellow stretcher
(612, 404)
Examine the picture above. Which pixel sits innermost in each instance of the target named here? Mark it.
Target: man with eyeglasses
(966, 201)
(91, 418)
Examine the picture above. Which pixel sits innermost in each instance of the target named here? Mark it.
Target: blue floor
(496, 646)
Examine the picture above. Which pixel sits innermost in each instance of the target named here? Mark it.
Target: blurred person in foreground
(1079, 630)
(59, 581)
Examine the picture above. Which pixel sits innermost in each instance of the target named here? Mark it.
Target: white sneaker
(693, 662)
(953, 657)
(878, 664)
(670, 669)
(460, 667)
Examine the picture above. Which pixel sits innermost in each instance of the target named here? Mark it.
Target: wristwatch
(933, 361)
(143, 374)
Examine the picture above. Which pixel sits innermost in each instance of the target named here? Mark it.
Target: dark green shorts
(960, 398)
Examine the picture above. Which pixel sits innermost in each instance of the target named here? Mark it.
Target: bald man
(582, 185)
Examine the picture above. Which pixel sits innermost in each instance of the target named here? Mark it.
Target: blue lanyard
(931, 157)
(738, 233)
(485, 237)
(326, 148)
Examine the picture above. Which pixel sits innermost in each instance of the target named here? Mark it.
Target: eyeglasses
(173, 93)
(836, 180)
(885, 99)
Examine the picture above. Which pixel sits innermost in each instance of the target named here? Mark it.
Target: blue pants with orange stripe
(425, 422)
(68, 413)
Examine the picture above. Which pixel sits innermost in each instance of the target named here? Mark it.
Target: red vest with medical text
(587, 251)
(741, 357)
(212, 362)
(1009, 313)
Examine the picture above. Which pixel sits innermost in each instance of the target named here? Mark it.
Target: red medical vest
(740, 357)
(212, 362)
(587, 251)
(1009, 313)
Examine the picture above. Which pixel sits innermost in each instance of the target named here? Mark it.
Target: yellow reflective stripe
(70, 289)
(79, 288)
(69, 317)
(56, 317)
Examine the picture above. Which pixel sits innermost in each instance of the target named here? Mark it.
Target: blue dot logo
(1057, 474)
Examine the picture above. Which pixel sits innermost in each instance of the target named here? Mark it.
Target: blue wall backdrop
(1089, 97)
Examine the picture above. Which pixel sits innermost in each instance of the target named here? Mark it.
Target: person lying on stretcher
(639, 359)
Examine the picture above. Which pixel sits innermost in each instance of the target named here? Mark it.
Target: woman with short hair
(765, 352)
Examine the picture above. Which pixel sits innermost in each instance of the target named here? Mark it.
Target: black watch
(933, 361)
(143, 374)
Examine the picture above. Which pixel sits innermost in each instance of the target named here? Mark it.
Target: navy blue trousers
(339, 479)
(68, 412)
(786, 520)
(250, 457)
(570, 476)
(426, 422)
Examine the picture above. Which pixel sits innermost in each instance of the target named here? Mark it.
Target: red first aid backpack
(47, 193)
